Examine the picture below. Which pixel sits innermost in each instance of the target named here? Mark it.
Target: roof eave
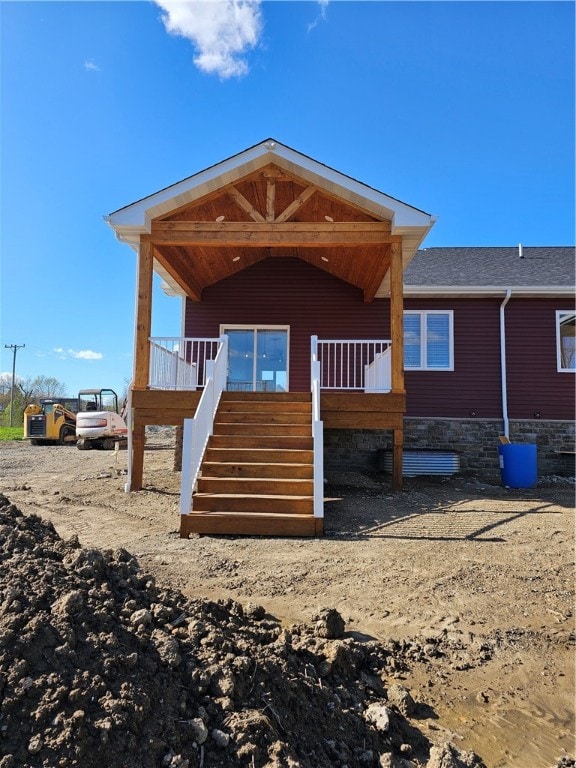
(412, 239)
(472, 291)
(136, 218)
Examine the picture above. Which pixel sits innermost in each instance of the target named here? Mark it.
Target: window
(428, 340)
(257, 358)
(565, 341)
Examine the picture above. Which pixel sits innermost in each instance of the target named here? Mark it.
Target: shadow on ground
(362, 505)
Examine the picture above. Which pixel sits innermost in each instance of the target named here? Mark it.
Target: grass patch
(11, 433)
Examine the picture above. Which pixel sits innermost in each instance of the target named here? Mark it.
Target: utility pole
(14, 348)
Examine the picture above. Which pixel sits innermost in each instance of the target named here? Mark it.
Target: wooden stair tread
(261, 430)
(257, 473)
(291, 471)
(271, 496)
(256, 464)
(251, 397)
(287, 409)
(250, 524)
(248, 479)
(281, 442)
(260, 515)
(261, 451)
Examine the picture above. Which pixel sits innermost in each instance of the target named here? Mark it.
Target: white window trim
(559, 367)
(423, 313)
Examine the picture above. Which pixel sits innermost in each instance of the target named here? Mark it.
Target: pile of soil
(100, 666)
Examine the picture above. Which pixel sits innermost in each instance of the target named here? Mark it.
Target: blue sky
(462, 109)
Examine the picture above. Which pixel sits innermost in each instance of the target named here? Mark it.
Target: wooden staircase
(257, 473)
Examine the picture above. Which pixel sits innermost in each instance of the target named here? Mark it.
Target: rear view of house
(292, 279)
(316, 330)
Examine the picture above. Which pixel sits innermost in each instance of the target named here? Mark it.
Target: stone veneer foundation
(474, 440)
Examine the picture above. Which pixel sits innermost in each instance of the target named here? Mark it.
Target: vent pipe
(520, 254)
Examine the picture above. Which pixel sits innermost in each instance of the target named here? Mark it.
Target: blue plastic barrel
(518, 465)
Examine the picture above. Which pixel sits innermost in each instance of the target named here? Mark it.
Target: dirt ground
(475, 580)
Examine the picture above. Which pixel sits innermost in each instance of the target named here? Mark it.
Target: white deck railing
(198, 430)
(317, 441)
(361, 364)
(180, 363)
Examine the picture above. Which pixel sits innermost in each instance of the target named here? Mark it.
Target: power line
(14, 348)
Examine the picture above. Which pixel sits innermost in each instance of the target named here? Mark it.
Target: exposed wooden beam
(270, 199)
(377, 275)
(191, 288)
(269, 234)
(279, 175)
(297, 203)
(379, 227)
(246, 206)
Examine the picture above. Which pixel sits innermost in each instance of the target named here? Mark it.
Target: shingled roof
(486, 269)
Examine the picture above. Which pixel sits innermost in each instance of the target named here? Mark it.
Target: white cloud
(83, 354)
(321, 16)
(91, 65)
(221, 30)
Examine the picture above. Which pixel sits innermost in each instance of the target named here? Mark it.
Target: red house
(500, 328)
(296, 340)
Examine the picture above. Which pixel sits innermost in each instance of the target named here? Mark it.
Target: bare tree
(48, 386)
(29, 390)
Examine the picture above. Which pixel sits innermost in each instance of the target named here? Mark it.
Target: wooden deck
(257, 469)
(338, 410)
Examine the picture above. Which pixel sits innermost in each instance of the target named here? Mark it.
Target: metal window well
(422, 462)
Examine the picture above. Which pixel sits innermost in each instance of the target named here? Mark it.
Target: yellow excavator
(53, 420)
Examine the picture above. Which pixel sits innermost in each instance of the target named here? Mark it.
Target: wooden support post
(141, 354)
(138, 438)
(143, 316)
(397, 317)
(397, 336)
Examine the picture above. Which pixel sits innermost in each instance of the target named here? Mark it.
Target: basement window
(429, 340)
(565, 341)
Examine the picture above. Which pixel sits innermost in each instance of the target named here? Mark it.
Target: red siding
(534, 384)
(286, 291)
(474, 387)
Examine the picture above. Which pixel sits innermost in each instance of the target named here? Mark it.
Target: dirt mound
(100, 666)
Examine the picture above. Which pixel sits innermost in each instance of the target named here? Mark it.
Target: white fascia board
(170, 288)
(128, 235)
(137, 216)
(411, 241)
(134, 219)
(401, 214)
(463, 291)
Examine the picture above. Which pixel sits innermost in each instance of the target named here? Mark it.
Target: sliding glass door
(257, 358)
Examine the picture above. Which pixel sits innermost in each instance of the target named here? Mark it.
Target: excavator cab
(99, 423)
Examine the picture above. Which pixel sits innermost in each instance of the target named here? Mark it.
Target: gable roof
(528, 270)
(257, 156)
(352, 199)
